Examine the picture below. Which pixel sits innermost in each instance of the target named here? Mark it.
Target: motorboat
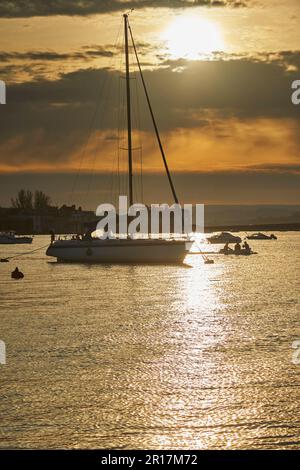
(223, 238)
(261, 236)
(241, 252)
(10, 238)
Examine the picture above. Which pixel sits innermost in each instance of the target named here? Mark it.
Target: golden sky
(219, 77)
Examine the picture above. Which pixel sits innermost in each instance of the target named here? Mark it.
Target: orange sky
(221, 95)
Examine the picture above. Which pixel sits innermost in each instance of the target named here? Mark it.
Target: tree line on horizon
(27, 200)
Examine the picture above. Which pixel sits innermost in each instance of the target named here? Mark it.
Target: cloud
(182, 92)
(84, 54)
(23, 9)
(281, 168)
(223, 114)
(206, 187)
(27, 66)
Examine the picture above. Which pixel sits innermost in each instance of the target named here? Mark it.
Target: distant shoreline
(283, 227)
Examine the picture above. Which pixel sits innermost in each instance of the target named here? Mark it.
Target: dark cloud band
(47, 121)
(55, 56)
(25, 9)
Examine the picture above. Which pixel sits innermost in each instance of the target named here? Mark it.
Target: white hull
(118, 251)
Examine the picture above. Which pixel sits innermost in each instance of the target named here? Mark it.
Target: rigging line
(120, 101)
(128, 96)
(153, 121)
(27, 252)
(94, 155)
(120, 130)
(135, 122)
(124, 116)
(85, 145)
(84, 150)
(116, 153)
(122, 170)
(106, 101)
(134, 127)
(135, 113)
(112, 181)
(123, 180)
(118, 141)
(115, 182)
(140, 143)
(115, 159)
(138, 132)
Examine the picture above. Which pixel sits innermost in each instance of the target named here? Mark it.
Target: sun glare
(189, 37)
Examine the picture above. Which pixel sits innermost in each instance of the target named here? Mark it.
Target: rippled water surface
(151, 356)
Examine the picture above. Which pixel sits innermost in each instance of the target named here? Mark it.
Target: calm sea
(162, 357)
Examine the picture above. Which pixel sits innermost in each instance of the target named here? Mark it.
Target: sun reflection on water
(155, 356)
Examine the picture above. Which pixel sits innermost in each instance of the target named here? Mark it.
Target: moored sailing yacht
(125, 250)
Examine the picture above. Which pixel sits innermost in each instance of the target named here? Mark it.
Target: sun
(188, 37)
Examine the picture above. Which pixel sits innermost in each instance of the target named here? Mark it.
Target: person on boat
(237, 247)
(226, 248)
(246, 247)
(88, 235)
(52, 234)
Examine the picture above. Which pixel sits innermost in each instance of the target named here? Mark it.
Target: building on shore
(65, 219)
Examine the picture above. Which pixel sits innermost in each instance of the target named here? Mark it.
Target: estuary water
(140, 357)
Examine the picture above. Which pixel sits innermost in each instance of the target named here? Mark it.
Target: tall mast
(153, 121)
(128, 111)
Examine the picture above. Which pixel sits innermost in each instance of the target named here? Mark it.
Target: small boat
(224, 237)
(261, 236)
(242, 252)
(10, 238)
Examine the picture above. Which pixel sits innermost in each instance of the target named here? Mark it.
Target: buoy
(16, 274)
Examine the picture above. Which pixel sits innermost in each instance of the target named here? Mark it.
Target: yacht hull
(119, 251)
